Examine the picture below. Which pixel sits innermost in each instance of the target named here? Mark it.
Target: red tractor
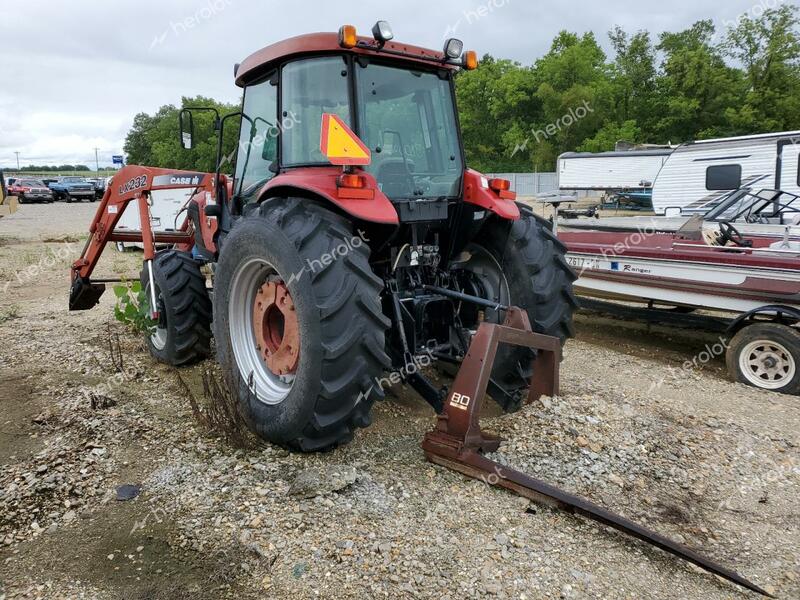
(351, 247)
(351, 241)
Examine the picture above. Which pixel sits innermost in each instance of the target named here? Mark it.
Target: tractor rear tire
(183, 335)
(295, 250)
(533, 262)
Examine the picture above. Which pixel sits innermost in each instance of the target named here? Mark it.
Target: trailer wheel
(767, 356)
(298, 324)
(183, 333)
(525, 267)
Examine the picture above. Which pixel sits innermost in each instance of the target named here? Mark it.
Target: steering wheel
(729, 233)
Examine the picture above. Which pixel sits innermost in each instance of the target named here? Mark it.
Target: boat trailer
(458, 442)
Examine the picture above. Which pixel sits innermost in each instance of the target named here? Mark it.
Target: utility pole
(17, 153)
(96, 161)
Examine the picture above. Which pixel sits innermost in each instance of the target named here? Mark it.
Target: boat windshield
(767, 207)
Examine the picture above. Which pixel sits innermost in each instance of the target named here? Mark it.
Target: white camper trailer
(610, 171)
(697, 175)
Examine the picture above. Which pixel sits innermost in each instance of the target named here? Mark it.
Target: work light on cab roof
(382, 32)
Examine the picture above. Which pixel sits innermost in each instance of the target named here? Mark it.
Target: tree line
(694, 84)
(676, 87)
(51, 168)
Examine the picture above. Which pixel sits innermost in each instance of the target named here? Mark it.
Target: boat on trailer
(764, 212)
(743, 259)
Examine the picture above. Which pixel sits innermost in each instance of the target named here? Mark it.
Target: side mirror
(187, 129)
(269, 151)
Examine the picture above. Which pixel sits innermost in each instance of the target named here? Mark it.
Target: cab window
(310, 88)
(258, 139)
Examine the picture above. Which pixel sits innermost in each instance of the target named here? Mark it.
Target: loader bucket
(458, 443)
(84, 294)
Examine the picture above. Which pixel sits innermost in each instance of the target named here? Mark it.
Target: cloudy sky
(75, 73)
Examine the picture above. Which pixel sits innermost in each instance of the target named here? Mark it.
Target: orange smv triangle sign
(340, 144)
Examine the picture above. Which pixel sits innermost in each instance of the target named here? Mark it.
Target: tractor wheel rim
(159, 338)
(488, 274)
(276, 328)
(767, 364)
(265, 339)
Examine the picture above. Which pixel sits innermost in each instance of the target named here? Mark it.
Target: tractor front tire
(298, 324)
(531, 261)
(183, 333)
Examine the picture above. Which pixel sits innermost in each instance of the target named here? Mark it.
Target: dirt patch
(19, 434)
(125, 548)
(7, 240)
(62, 239)
(696, 457)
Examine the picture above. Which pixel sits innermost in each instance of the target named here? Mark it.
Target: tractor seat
(393, 178)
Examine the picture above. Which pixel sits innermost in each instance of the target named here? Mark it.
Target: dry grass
(219, 411)
(9, 312)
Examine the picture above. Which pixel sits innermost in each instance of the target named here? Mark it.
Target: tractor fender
(477, 191)
(373, 207)
(771, 309)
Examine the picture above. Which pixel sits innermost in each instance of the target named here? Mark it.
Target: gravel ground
(703, 460)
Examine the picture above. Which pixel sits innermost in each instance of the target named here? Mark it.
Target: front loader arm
(135, 183)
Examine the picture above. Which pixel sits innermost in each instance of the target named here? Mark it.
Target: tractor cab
(398, 101)
(394, 138)
(404, 113)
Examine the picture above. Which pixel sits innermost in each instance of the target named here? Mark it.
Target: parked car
(30, 190)
(73, 188)
(99, 184)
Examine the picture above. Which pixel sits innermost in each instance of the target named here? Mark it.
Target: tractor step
(458, 442)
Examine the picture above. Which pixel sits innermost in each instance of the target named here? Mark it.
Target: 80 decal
(133, 184)
(459, 401)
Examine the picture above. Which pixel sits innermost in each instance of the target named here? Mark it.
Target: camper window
(724, 177)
